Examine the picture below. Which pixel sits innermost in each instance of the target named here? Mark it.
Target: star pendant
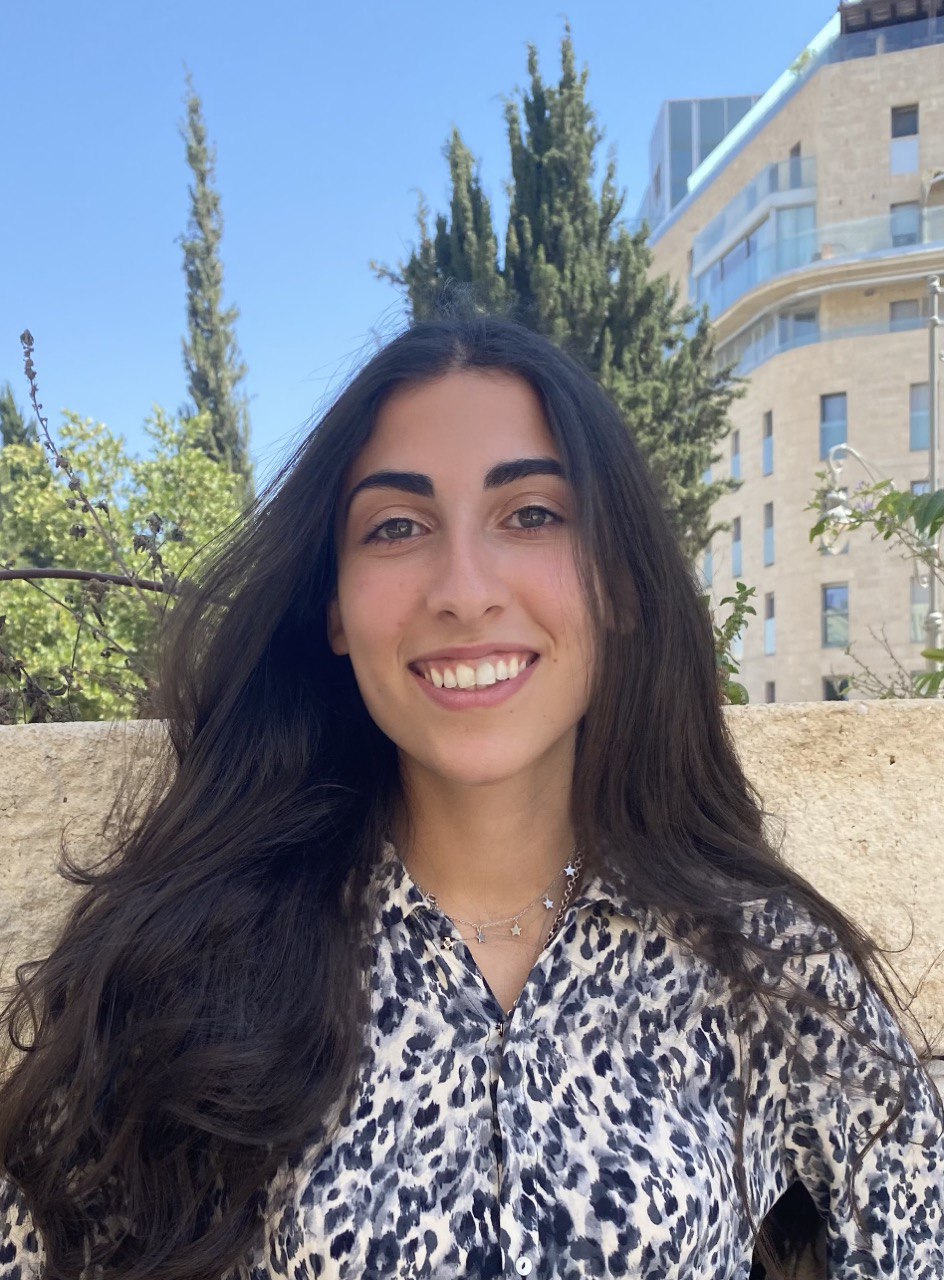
(516, 929)
(548, 903)
(570, 871)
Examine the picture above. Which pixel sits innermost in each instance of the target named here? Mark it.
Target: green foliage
(574, 272)
(732, 690)
(211, 355)
(915, 519)
(14, 428)
(915, 522)
(93, 642)
(930, 684)
(801, 63)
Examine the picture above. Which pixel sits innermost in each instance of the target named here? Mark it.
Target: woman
(455, 946)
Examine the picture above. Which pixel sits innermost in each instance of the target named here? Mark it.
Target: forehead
(467, 418)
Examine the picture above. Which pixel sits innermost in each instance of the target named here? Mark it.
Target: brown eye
(536, 517)
(398, 528)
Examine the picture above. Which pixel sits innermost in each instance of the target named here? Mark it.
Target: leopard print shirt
(593, 1133)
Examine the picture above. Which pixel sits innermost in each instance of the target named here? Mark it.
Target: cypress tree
(211, 355)
(14, 428)
(574, 272)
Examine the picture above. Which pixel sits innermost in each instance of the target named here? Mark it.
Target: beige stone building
(811, 231)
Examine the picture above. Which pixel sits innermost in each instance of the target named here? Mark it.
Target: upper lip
(458, 652)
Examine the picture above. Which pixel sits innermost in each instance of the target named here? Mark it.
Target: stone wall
(858, 789)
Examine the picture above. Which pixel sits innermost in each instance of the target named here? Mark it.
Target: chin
(480, 768)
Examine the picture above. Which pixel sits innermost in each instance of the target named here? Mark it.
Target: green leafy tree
(573, 271)
(14, 429)
(211, 354)
(83, 648)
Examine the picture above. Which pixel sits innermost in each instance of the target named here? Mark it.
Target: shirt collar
(394, 894)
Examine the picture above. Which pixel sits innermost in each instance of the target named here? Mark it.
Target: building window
(904, 315)
(736, 546)
(796, 167)
(906, 223)
(905, 121)
(832, 422)
(919, 487)
(836, 615)
(797, 328)
(903, 156)
(737, 647)
(920, 416)
(767, 444)
(735, 455)
(768, 533)
(796, 244)
(919, 611)
(710, 116)
(706, 475)
(770, 691)
(770, 635)
(707, 571)
(835, 688)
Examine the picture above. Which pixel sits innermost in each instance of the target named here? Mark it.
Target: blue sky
(327, 120)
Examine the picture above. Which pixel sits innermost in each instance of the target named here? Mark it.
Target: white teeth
(465, 676)
(482, 676)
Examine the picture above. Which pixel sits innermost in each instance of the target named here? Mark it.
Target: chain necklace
(571, 871)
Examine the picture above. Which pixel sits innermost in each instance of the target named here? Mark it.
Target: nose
(466, 579)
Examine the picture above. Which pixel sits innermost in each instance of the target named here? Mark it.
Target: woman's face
(456, 569)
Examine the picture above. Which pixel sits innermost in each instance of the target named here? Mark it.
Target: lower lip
(467, 699)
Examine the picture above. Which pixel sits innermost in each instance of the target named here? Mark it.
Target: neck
(483, 851)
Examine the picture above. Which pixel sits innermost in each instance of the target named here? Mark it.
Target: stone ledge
(857, 789)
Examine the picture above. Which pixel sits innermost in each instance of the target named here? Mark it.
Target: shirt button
(524, 1266)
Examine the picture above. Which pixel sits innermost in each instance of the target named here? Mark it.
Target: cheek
(374, 609)
(559, 585)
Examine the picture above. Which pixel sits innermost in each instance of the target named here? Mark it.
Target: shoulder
(839, 1018)
(778, 950)
(782, 922)
(767, 937)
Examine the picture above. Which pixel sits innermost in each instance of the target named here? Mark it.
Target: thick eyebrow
(415, 482)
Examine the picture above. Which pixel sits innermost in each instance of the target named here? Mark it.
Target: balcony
(796, 174)
(721, 287)
(771, 337)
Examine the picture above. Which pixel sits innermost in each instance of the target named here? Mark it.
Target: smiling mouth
(478, 675)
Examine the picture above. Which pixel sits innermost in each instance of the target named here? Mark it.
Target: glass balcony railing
(765, 340)
(796, 174)
(840, 241)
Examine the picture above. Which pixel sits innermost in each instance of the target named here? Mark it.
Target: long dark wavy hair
(204, 1007)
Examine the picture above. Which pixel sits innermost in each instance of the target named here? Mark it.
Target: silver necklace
(571, 871)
